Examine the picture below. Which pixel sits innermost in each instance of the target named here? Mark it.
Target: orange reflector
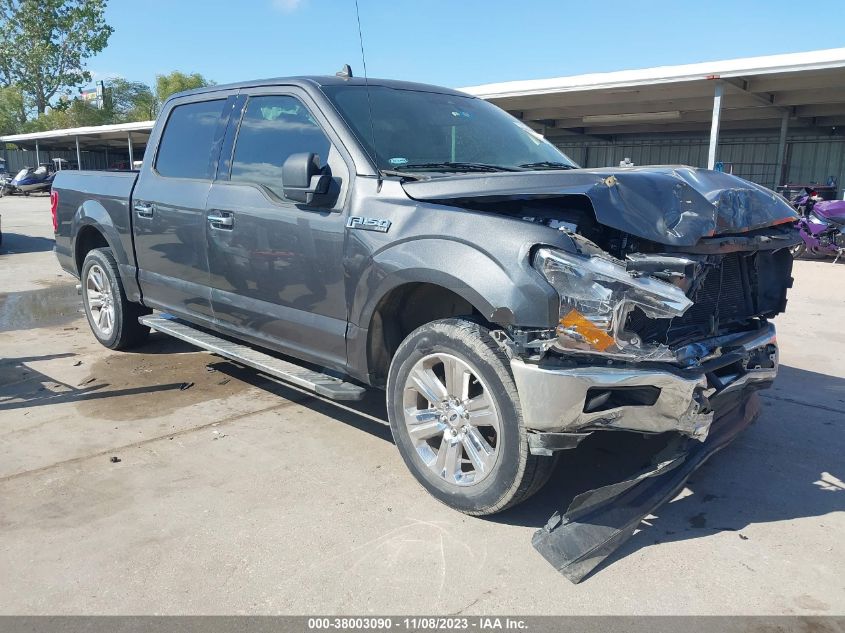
(596, 337)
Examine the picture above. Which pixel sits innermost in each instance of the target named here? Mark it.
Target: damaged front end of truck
(666, 291)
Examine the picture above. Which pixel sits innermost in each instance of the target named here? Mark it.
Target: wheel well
(88, 239)
(403, 310)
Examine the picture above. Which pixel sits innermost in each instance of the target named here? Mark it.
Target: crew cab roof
(317, 81)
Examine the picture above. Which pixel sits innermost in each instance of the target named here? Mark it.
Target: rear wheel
(456, 418)
(112, 317)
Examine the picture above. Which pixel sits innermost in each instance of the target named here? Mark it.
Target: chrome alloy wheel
(98, 290)
(451, 419)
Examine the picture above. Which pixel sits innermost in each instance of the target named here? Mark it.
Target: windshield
(23, 172)
(429, 131)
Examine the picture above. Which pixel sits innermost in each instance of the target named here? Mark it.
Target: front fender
(506, 290)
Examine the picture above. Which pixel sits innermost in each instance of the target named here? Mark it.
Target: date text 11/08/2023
(370, 623)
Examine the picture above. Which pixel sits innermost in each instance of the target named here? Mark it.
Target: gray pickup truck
(340, 234)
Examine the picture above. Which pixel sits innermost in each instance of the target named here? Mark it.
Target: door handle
(223, 221)
(143, 210)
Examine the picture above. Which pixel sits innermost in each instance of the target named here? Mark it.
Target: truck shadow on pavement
(787, 465)
(16, 243)
(368, 415)
(22, 387)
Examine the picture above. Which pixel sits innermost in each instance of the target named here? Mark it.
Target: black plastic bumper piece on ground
(598, 521)
(549, 443)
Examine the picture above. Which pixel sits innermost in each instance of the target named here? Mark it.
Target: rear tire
(469, 448)
(112, 317)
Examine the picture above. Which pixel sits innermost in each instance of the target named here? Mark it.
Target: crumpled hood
(673, 205)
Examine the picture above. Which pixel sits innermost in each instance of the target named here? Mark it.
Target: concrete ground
(239, 495)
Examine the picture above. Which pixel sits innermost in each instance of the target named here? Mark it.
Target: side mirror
(303, 178)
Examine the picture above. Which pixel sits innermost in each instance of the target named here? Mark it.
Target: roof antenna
(345, 72)
(367, 84)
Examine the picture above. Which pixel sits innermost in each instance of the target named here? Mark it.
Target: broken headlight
(596, 295)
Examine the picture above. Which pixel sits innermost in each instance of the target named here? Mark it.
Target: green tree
(76, 113)
(12, 110)
(167, 85)
(45, 43)
(127, 101)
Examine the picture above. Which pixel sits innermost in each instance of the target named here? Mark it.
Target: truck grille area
(738, 288)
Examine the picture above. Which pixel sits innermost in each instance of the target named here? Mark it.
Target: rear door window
(272, 128)
(185, 147)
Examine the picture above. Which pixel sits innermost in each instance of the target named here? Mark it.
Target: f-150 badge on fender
(368, 224)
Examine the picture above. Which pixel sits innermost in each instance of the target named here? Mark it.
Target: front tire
(112, 317)
(456, 418)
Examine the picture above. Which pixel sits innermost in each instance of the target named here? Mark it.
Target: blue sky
(451, 42)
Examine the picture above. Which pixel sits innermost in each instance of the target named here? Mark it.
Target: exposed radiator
(739, 288)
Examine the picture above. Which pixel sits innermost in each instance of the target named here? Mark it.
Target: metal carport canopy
(798, 90)
(100, 136)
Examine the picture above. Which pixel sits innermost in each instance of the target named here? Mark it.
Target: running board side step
(319, 383)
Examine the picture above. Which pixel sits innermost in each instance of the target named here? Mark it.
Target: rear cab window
(186, 143)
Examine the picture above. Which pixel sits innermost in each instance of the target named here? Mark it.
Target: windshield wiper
(456, 166)
(547, 164)
(402, 174)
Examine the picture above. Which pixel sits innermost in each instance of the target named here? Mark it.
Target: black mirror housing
(303, 178)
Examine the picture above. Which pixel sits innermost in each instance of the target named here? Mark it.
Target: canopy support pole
(78, 154)
(714, 125)
(779, 168)
(131, 153)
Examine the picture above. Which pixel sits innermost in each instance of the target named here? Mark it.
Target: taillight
(54, 209)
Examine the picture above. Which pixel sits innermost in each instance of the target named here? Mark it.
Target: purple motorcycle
(822, 226)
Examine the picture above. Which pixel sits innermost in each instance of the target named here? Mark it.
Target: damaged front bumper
(600, 520)
(700, 407)
(562, 404)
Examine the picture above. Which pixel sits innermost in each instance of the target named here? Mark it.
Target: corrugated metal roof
(744, 67)
(93, 130)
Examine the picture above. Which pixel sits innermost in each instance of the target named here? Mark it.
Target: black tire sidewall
(105, 260)
(500, 485)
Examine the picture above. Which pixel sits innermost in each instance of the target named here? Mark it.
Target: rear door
(168, 206)
(276, 266)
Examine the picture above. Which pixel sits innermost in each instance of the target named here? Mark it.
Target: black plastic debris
(114, 459)
(598, 521)
(185, 385)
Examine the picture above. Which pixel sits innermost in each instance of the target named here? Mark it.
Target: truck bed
(103, 198)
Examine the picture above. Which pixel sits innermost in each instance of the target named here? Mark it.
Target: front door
(168, 209)
(275, 265)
